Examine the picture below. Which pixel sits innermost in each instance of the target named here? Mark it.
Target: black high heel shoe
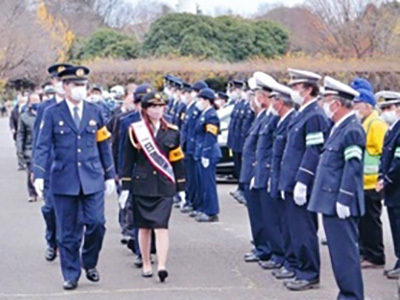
(162, 274)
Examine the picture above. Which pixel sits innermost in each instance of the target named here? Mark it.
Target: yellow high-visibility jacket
(375, 130)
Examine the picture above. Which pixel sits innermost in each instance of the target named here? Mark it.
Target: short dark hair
(346, 103)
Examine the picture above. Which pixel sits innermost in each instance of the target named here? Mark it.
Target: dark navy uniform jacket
(188, 128)
(206, 136)
(339, 176)
(82, 157)
(232, 124)
(264, 151)
(36, 128)
(141, 177)
(237, 129)
(179, 117)
(248, 119)
(249, 149)
(306, 137)
(389, 170)
(280, 138)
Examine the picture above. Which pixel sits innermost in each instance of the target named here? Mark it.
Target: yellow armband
(176, 155)
(212, 129)
(103, 134)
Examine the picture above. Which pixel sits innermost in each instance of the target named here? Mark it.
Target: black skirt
(151, 212)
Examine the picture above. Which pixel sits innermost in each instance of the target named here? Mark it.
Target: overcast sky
(238, 6)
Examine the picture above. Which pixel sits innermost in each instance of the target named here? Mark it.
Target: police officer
(284, 260)
(207, 155)
(247, 174)
(96, 97)
(338, 189)
(262, 167)
(234, 133)
(188, 146)
(305, 141)
(48, 205)
(389, 170)
(75, 130)
(180, 111)
(222, 100)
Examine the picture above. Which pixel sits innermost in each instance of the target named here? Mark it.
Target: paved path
(205, 259)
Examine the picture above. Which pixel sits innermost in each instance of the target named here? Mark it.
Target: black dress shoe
(70, 285)
(283, 273)
(186, 209)
(193, 214)
(50, 254)
(393, 274)
(92, 275)
(302, 285)
(138, 262)
(251, 258)
(131, 245)
(162, 275)
(147, 274)
(203, 218)
(269, 265)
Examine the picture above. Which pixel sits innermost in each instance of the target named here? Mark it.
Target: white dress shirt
(72, 111)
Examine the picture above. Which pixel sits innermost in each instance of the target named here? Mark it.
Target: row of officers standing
(77, 162)
(303, 149)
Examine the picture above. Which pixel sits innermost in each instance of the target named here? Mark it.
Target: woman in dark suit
(152, 173)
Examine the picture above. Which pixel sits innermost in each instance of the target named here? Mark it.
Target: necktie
(77, 119)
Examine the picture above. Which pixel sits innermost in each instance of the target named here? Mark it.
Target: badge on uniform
(41, 125)
(92, 123)
(61, 123)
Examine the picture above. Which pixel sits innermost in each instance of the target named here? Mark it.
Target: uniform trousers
(303, 227)
(394, 220)
(342, 236)
(70, 231)
(49, 216)
(370, 227)
(190, 175)
(210, 204)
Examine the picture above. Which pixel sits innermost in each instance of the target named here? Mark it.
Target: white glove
(205, 162)
(342, 211)
(269, 185)
(123, 198)
(109, 187)
(182, 195)
(252, 183)
(39, 186)
(300, 194)
(283, 195)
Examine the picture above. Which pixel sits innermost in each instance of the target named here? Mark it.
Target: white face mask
(327, 109)
(94, 98)
(193, 95)
(257, 102)
(200, 105)
(244, 95)
(390, 117)
(59, 88)
(358, 115)
(79, 93)
(184, 99)
(297, 98)
(273, 110)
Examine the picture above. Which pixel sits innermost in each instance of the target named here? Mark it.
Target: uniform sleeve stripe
(314, 142)
(353, 152)
(346, 192)
(307, 171)
(315, 135)
(397, 152)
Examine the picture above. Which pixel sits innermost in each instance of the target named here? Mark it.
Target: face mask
(273, 110)
(184, 99)
(167, 92)
(389, 117)
(257, 103)
(358, 115)
(296, 97)
(244, 95)
(59, 88)
(234, 95)
(95, 98)
(193, 95)
(155, 112)
(327, 109)
(79, 93)
(200, 105)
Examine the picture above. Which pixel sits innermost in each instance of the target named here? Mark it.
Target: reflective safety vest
(375, 129)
